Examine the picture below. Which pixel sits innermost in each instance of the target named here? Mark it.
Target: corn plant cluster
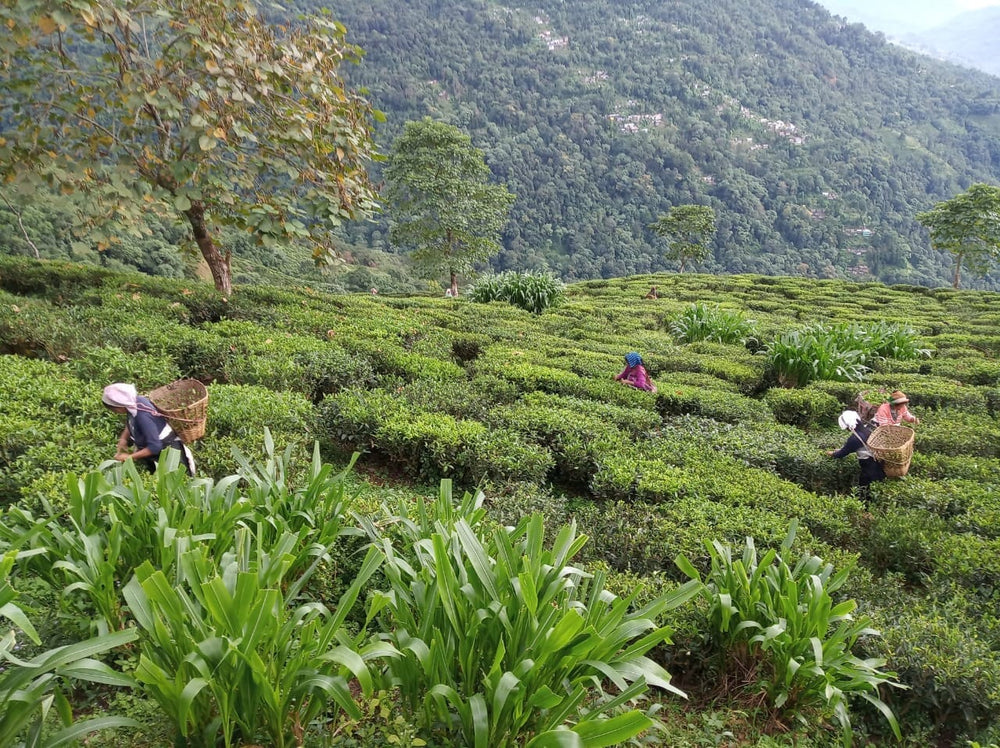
(31, 689)
(533, 292)
(501, 636)
(712, 323)
(526, 407)
(762, 609)
(844, 352)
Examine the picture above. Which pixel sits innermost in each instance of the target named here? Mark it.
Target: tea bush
(802, 408)
(644, 538)
(146, 371)
(952, 675)
(675, 399)
(246, 410)
(958, 432)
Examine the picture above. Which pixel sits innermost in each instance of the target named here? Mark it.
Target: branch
(20, 225)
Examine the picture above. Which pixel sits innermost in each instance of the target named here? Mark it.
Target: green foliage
(30, 688)
(441, 201)
(701, 322)
(227, 657)
(844, 352)
(802, 408)
(968, 226)
(500, 636)
(686, 229)
(767, 617)
(533, 292)
(950, 669)
(678, 399)
(111, 364)
(207, 115)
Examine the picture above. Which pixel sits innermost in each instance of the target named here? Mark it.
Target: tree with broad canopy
(968, 226)
(440, 200)
(687, 229)
(198, 107)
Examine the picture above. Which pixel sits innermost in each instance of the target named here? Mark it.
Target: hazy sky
(900, 16)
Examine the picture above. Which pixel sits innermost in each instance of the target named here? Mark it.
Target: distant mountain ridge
(815, 141)
(972, 38)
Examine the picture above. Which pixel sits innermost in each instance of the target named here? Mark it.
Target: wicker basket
(185, 404)
(893, 447)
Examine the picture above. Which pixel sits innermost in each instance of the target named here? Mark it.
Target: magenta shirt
(637, 377)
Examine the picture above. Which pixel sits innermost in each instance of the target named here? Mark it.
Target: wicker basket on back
(185, 404)
(893, 447)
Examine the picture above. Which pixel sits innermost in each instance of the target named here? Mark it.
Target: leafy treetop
(200, 107)
(968, 226)
(687, 229)
(440, 200)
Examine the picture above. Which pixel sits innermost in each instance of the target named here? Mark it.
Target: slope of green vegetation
(389, 609)
(815, 141)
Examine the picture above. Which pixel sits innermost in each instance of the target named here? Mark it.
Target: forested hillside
(815, 141)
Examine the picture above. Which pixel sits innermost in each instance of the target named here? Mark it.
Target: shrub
(146, 371)
(953, 675)
(802, 408)
(533, 292)
(674, 399)
(779, 627)
(957, 432)
(700, 322)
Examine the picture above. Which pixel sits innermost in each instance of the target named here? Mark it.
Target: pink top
(636, 376)
(888, 413)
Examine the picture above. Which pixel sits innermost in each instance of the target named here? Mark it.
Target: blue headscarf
(633, 359)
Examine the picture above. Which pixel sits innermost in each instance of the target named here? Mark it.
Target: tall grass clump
(802, 356)
(878, 340)
(533, 292)
(701, 322)
(843, 353)
(778, 632)
(501, 637)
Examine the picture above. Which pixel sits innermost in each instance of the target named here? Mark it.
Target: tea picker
(146, 428)
(857, 443)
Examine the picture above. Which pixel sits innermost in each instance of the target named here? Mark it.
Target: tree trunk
(454, 285)
(958, 271)
(218, 262)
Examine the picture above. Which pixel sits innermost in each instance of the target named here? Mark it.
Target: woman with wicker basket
(894, 411)
(145, 428)
(857, 442)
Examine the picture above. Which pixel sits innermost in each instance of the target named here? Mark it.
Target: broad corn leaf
(613, 731)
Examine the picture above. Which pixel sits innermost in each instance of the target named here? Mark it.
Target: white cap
(849, 420)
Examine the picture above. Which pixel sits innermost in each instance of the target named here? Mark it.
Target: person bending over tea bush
(634, 373)
(895, 411)
(145, 428)
(871, 469)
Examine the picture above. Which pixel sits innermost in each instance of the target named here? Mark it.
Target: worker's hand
(829, 453)
(122, 456)
(916, 421)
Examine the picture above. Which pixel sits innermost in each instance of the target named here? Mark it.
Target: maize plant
(502, 638)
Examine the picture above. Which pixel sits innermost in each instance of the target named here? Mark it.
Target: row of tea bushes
(441, 387)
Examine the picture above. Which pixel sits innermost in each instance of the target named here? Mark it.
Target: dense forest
(815, 140)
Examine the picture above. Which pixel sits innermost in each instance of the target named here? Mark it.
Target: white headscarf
(120, 395)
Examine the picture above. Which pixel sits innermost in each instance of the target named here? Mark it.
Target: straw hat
(898, 398)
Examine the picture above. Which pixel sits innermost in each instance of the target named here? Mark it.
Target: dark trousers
(871, 472)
